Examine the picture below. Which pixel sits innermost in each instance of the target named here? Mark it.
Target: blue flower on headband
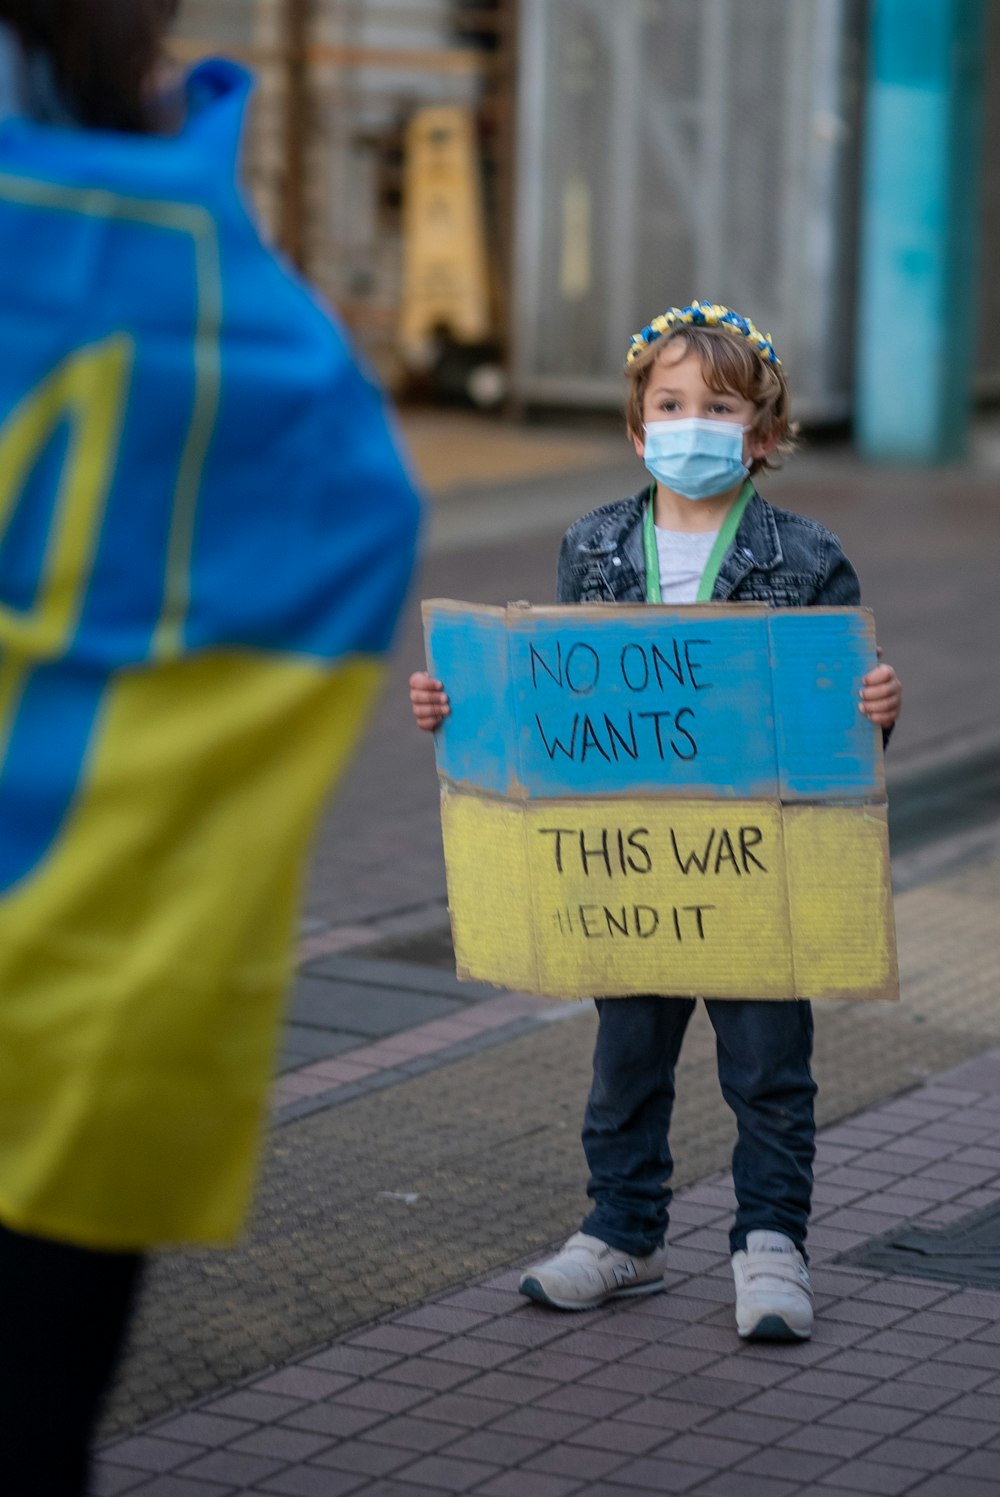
(703, 314)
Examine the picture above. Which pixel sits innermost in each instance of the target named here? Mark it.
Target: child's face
(677, 391)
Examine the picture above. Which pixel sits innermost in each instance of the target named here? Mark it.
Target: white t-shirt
(683, 557)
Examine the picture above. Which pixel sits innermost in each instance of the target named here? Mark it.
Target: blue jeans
(764, 1050)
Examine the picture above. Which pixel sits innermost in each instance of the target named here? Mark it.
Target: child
(707, 407)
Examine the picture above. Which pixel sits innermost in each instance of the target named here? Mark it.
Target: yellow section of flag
(143, 961)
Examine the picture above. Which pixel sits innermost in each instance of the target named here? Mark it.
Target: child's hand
(429, 701)
(881, 695)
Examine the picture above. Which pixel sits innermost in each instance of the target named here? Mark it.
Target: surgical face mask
(697, 459)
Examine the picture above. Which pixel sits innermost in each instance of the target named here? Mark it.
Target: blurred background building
(495, 192)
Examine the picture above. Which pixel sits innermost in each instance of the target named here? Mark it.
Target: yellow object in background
(446, 285)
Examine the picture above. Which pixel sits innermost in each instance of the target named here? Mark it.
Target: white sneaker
(586, 1272)
(773, 1293)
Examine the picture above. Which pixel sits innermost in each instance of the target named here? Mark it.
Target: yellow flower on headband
(703, 314)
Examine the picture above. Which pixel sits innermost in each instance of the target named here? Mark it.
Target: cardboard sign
(669, 800)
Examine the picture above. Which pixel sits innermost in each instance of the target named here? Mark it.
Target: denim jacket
(776, 557)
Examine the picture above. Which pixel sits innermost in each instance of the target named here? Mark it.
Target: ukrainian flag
(205, 536)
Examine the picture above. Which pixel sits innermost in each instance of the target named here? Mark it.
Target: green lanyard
(723, 541)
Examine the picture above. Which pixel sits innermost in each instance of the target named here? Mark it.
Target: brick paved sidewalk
(479, 1391)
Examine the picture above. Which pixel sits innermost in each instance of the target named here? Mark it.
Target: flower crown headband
(703, 314)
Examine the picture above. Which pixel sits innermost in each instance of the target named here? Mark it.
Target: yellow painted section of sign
(605, 898)
(446, 285)
(841, 901)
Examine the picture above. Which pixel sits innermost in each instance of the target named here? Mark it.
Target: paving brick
(231, 1468)
(793, 1354)
(870, 1477)
(709, 1391)
(864, 1363)
(602, 1344)
(382, 1397)
(495, 1448)
(630, 1437)
(661, 1474)
(718, 1339)
(510, 1387)
(742, 1484)
(942, 1374)
(607, 1488)
(173, 1485)
(872, 1417)
(981, 1354)
(491, 1301)
(966, 1433)
(642, 1381)
(789, 1403)
(311, 1481)
(311, 1383)
(981, 1464)
(198, 1428)
(830, 1334)
(594, 1403)
(833, 1385)
(448, 1318)
(427, 1374)
(464, 1409)
(938, 1322)
(149, 1453)
(960, 1176)
(470, 1353)
(397, 1339)
(913, 1397)
(416, 1434)
(975, 1302)
(528, 1484)
(576, 1462)
(524, 1330)
(787, 1464)
(364, 1459)
(553, 1364)
(844, 1283)
(114, 1481)
(948, 1484)
(754, 1429)
(447, 1475)
(754, 1372)
(919, 1146)
(863, 1313)
(666, 1413)
(834, 1440)
(668, 1357)
(355, 1361)
(253, 1406)
(281, 1444)
(540, 1424)
(633, 1320)
(913, 1450)
(715, 1453)
(335, 1420)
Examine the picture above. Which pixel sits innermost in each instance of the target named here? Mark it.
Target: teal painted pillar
(917, 300)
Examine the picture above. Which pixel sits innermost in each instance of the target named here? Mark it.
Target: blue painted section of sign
(825, 746)
(569, 703)
(468, 652)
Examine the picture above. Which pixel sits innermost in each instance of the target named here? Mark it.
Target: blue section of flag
(248, 492)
